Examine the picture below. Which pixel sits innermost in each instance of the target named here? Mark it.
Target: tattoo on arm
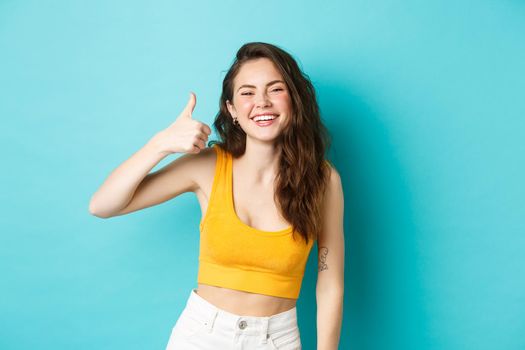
(323, 252)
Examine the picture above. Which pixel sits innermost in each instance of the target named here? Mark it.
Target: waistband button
(242, 324)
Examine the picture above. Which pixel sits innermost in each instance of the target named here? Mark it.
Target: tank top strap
(221, 187)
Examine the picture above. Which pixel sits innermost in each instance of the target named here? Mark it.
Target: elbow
(335, 290)
(95, 212)
(98, 215)
(332, 297)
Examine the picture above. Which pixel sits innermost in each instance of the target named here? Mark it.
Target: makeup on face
(262, 95)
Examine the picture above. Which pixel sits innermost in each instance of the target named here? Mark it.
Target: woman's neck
(260, 161)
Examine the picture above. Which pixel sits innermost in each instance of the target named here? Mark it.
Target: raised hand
(185, 134)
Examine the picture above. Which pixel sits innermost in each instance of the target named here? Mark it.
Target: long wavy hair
(303, 172)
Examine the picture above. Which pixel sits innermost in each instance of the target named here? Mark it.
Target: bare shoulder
(203, 167)
(333, 198)
(334, 182)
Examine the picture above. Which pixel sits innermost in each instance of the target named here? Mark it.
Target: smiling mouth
(262, 117)
(262, 122)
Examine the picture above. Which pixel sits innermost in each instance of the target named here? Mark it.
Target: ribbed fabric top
(235, 255)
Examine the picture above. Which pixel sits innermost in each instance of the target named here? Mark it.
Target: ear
(231, 109)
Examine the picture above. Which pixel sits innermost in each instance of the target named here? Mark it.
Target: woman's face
(259, 89)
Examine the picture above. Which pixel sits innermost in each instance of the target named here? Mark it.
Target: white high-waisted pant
(203, 326)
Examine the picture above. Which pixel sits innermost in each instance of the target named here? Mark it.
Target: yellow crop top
(235, 255)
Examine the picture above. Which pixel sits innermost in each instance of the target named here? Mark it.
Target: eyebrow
(270, 83)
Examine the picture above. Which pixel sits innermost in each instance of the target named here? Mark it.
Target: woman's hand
(184, 135)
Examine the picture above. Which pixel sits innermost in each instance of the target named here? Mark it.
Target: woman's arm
(120, 186)
(330, 277)
(130, 186)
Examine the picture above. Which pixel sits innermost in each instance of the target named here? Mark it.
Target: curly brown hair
(303, 170)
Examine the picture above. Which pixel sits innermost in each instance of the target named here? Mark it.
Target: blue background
(425, 102)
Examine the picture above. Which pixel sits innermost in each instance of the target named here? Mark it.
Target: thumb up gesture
(185, 134)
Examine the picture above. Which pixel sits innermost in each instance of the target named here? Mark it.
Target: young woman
(266, 193)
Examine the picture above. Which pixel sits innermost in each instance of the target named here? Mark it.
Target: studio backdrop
(425, 104)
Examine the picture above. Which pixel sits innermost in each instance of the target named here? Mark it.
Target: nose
(262, 100)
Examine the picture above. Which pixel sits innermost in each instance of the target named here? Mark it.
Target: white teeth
(264, 117)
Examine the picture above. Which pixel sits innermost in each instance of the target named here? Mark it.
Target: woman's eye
(250, 93)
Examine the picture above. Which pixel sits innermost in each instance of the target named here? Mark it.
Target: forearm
(329, 319)
(118, 188)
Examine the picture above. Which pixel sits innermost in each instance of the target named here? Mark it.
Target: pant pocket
(189, 324)
(288, 339)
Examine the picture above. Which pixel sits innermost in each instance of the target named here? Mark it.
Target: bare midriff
(244, 303)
